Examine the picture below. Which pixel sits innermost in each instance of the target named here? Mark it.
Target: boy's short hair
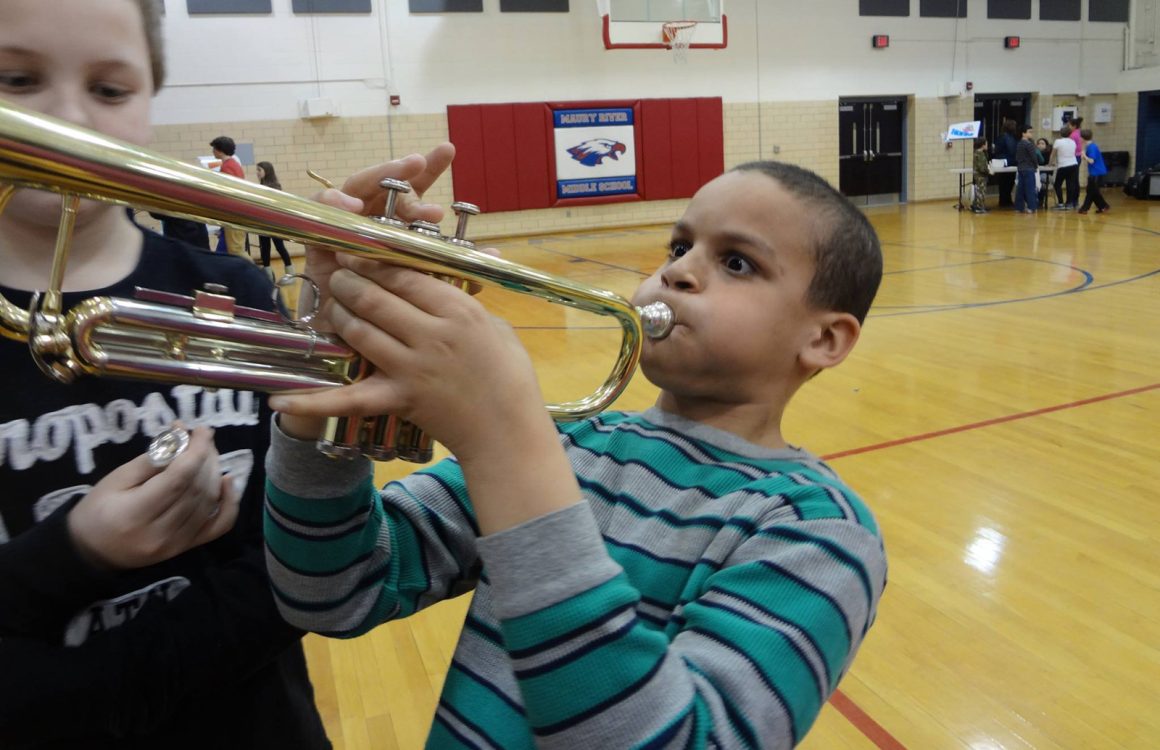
(151, 21)
(1086, 134)
(225, 144)
(847, 254)
(980, 142)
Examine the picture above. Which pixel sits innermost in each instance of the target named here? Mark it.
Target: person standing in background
(224, 148)
(1043, 154)
(1044, 149)
(1005, 150)
(1063, 155)
(1027, 164)
(978, 202)
(269, 178)
(1097, 170)
(1076, 125)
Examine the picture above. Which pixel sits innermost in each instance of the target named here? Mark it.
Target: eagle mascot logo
(593, 151)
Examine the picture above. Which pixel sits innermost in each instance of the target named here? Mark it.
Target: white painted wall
(241, 68)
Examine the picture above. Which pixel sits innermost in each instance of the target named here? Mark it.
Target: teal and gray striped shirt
(706, 592)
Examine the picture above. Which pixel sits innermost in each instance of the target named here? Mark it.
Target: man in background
(223, 148)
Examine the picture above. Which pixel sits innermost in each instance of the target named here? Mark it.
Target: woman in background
(1043, 154)
(1004, 148)
(269, 178)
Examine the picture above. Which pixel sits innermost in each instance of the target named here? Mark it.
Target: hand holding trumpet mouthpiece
(157, 506)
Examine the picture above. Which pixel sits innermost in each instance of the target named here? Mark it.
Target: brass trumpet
(206, 338)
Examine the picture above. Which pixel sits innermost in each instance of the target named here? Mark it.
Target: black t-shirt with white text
(187, 653)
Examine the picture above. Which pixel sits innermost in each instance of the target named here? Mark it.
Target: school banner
(595, 152)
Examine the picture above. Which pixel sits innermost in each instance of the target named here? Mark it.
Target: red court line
(863, 723)
(861, 720)
(989, 422)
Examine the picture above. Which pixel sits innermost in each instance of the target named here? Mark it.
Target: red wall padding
(533, 145)
(711, 137)
(656, 143)
(503, 159)
(500, 156)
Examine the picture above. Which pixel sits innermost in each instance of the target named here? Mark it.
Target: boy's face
(740, 261)
(84, 62)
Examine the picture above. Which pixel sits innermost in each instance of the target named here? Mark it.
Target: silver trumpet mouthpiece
(657, 319)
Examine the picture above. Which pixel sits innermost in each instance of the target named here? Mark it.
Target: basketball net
(679, 35)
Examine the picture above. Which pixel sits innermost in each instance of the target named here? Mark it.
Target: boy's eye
(677, 248)
(738, 264)
(17, 81)
(110, 92)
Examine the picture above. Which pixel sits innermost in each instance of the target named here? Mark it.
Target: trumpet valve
(393, 188)
(463, 211)
(426, 227)
(413, 444)
(432, 230)
(347, 437)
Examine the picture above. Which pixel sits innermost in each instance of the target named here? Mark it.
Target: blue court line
(602, 263)
(952, 265)
(1088, 279)
(1087, 285)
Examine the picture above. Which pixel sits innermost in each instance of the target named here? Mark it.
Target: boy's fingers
(339, 199)
(422, 291)
(382, 348)
(368, 300)
(172, 480)
(365, 183)
(134, 473)
(223, 516)
(438, 160)
(372, 397)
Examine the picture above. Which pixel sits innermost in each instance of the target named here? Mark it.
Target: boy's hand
(361, 194)
(140, 515)
(441, 360)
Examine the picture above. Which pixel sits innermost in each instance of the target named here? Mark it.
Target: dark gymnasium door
(870, 137)
(992, 109)
(1148, 132)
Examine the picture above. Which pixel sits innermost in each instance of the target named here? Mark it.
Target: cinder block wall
(800, 132)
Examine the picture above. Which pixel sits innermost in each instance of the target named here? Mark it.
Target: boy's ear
(833, 339)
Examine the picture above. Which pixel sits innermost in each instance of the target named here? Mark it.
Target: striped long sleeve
(705, 593)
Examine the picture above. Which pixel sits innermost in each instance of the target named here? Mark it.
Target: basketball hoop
(678, 35)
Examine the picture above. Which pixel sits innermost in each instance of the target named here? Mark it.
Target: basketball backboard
(639, 24)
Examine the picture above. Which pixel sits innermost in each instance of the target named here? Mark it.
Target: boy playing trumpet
(682, 577)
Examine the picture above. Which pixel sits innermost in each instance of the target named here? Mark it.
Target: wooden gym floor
(1001, 417)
